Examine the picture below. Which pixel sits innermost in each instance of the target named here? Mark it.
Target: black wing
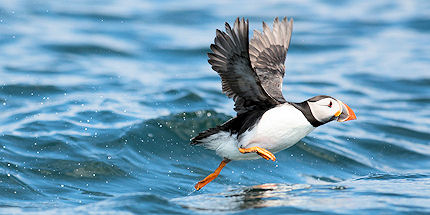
(230, 59)
(268, 51)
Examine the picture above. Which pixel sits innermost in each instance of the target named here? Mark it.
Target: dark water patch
(423, 82)
(199, 80)
(385, 176)
(184, 17)
(175, 100)
(192, 121)
(418, 86)
(110, 101)
(359, 28)
(51, 107)
(173, 92)
(41, 146)
(191, 97)
(375, 24)
(176, 97)
(109, 85)
(170, 130)
(417, 100)
(103, 116)
(88, 49)
(70, 170)
(315, 84)
(353, 93)
(326, 179)
(94, 193)
(95, 16)
(420, 24)
(30, 90)
(174, 53)
(32, 71)
(47, 126)
(397, 131)
(16, 188)
(312, 48)
(26, 151)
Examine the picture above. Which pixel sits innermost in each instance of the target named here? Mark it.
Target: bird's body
(275, 130)
(252, 75)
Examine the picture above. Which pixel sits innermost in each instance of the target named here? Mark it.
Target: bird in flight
(251, 74)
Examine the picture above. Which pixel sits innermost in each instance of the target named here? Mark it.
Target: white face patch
(325, 109)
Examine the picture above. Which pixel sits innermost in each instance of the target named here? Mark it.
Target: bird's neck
(306, 110)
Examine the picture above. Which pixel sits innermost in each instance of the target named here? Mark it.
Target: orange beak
(345, 114)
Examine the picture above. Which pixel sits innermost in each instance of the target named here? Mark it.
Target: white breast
(279, 128)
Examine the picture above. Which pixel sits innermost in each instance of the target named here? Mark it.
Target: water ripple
(98, 102)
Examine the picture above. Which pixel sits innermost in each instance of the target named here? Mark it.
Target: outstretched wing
(268, 51)
(230, 59)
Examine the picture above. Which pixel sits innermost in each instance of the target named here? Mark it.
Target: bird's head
(326, 109)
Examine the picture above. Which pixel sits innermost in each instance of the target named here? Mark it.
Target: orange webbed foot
(260, 151)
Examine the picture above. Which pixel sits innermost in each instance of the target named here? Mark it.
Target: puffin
(251, 74)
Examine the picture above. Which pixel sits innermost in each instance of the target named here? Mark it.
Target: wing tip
(291, 21)
(227, 26)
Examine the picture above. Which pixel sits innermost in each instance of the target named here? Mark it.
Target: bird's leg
(212, 176)
(260, 151)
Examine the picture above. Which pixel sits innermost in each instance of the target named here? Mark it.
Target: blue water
(98, 101)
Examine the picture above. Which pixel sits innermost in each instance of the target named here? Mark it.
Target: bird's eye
(329, 105)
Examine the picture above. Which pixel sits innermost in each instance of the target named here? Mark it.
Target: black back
(237, 125)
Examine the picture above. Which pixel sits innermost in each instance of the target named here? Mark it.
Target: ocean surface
(98, 101)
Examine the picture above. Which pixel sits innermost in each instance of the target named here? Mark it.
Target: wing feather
(268, 51)
(230, 59)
